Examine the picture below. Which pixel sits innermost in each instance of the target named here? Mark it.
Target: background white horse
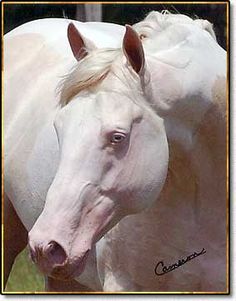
(186, 84)
(178, 88)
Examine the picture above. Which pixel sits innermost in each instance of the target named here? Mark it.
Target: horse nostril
(55, 253)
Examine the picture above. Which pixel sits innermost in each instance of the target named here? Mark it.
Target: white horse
(126, 257)
(81, 156)
(37, 55)
(185, 82)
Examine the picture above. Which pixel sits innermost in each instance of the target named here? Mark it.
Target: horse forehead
(115, 105)
(95, 110)
(181, 31)
(170, 36)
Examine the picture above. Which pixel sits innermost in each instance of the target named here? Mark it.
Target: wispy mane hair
(87, 73)
(161, 20)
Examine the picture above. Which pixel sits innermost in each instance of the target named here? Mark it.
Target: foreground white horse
(85, 151)
(37, 56)
(180, 222)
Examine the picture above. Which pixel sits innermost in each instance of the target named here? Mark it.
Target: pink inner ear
(133, 49)
(76, 42)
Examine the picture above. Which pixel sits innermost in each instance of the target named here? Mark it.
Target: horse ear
(133, 49)
(80, 46)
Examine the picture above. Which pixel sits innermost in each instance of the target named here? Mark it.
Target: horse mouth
(71, 270)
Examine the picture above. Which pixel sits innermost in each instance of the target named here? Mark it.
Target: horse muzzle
(61, 251)
(52, 260)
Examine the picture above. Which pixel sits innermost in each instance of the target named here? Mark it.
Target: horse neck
(192, 103)
(210, 154)
(180, 90)
(196, 180)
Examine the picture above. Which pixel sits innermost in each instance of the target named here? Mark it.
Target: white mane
(87, 73)
(161, 21)
(93, 69)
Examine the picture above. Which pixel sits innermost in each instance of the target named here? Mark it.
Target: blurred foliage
(17, 14)
(24, 276)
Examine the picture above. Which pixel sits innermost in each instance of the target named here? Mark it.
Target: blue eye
(117, 138)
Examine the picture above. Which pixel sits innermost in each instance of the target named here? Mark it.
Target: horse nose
(53, 253)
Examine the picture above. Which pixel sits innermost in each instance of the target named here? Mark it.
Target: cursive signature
(161, 269)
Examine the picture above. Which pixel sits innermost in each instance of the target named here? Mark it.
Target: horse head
(180, 73)
(113, 155)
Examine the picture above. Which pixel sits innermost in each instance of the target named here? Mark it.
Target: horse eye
(117, 138)
(142, 36)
